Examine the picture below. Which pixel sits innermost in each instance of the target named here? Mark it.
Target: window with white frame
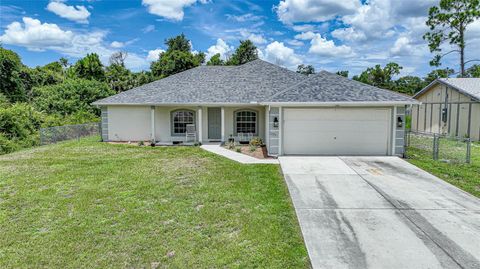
(246, 122)
(180, 120)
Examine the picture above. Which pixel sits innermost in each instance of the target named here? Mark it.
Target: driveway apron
(381, 212)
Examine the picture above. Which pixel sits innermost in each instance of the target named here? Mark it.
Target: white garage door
(336, 131)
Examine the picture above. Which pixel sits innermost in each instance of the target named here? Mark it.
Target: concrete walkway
(235, 156)
(381, 212)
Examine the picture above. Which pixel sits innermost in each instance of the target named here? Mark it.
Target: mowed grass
(464, 176)
(88, 204)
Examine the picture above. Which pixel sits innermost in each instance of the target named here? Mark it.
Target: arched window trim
(235, 120)
(172, 122)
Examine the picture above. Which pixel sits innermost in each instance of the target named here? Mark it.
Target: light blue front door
(214, 123)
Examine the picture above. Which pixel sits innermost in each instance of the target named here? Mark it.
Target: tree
(245, 53)
(64, 62)
(438, 73)
(90, 67)
(216, 60)
(448, 22)
(119, 78)
(473, 71)
(177, 58)
(343, 73)
(179, 42)
(70, 96)
(118, 58)
(378, 76)
(10, 81)
(306, 69)
(409, 85)
(20, 123)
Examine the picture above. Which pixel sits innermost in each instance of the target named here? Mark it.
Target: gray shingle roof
(256, 81)
(328, 87)
(252, 82)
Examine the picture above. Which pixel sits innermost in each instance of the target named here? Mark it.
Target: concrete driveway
(381, 212)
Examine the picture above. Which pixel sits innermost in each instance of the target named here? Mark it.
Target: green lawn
(88, 204)
(464, 176)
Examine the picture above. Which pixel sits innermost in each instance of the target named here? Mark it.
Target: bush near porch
(97, 205)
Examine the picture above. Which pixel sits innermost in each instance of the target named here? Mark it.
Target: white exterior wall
(132, 123)
(128, 123)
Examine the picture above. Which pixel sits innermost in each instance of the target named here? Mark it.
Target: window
(180, 119)
(246, 122)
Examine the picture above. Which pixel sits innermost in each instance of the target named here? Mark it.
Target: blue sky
(329, 34)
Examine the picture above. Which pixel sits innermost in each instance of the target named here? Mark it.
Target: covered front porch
(206, 124)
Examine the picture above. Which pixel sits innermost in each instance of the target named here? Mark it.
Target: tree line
(61, 93)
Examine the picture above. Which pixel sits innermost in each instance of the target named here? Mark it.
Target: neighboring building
(321, 114)
(450, 106)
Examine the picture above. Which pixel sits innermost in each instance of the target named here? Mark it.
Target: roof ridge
(290, 87)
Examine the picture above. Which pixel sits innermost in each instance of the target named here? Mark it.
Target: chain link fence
(439, 147)
(56, 134)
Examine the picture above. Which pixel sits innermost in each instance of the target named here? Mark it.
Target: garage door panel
(337, 131)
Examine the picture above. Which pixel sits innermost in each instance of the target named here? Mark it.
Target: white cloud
(170, 9)
(294, 42)
(276, 52)
(348, 34)
(220, 47)
(291, 11)
(148, 29)
(153, 55)
(117, 45)
(303, 27)
(78, 14)
(37, 36)
(305, 36)
(323, 47)
(244, 17)
(255, 38)
(401, 47)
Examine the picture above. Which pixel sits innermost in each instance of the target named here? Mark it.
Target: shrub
(71, 96)
(6, 145)
(20, 122)
(256, 141)
(252, 148)
(239, 150)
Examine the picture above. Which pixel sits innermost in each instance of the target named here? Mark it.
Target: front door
(214, 123)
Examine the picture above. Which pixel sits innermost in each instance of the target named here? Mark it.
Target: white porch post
(200, 124)
(222, 120)
(152, 123)
(394, 129)
(280, 128)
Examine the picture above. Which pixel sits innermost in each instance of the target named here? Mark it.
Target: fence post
(435, 146)
(469, 144)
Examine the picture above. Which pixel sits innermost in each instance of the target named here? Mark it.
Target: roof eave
(429, 86)
(355, 103)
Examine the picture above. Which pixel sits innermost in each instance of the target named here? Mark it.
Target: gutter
(330, 104)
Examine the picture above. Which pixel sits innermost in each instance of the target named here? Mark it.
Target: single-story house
(294, 114)
(450, 106)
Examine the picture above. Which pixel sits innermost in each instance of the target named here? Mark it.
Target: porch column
(200, 124)
(152, 123)
(222, 120)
